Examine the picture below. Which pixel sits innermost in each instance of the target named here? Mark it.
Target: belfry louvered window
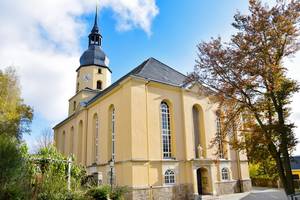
(165, 129)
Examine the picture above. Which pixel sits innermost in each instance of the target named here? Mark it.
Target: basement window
(169, 177)
(225, 174)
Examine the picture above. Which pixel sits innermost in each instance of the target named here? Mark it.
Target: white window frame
(169, 177)
(113, 121)
(166, 130)
(96, 139)
(225, 174)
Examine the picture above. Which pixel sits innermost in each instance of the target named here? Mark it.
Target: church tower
(93, 74)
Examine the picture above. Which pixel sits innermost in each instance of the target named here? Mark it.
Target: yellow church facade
(149, 131)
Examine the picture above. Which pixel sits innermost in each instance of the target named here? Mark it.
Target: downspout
(239, 168)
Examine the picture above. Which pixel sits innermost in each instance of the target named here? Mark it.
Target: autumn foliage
(248, 78)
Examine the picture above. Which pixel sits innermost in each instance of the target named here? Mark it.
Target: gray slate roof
(152, 70)
(94, 55)
(155, 70)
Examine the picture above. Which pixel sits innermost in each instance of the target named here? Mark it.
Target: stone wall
(174, 192)
(229, 187)
(138, 194)
(226, 187)
(246, 185)
(184, 191)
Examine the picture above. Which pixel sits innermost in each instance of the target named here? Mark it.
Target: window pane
(166, 134)
(169, 177)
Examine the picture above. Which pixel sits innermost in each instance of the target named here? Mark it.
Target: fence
(294, 197)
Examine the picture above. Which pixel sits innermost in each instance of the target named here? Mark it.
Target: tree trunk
(284, 171)
(288, 172)
(280, 167)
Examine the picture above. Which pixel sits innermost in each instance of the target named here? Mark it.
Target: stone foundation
(246, 185)
(226, 187)
(185, 191)
(174, 192)
(229, 187)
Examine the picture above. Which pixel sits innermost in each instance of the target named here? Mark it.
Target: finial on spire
(95, 35)
(95, 28)
(96, 16)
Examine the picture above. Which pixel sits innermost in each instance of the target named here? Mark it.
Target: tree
(248, 78)
(15, 116)
(14, 174)
(45, 139)
(265, 169)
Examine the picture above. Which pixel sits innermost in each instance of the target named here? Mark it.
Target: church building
(149, 131)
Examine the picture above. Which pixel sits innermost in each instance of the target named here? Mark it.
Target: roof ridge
(139, 67)
(167, 66)
(135, 72)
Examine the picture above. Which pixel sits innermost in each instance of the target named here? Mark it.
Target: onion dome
(94, 55)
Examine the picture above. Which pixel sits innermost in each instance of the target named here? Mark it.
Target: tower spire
(95, 36)
(95, 28)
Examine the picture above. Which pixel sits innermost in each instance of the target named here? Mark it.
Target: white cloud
(139, 18)
(42, 39)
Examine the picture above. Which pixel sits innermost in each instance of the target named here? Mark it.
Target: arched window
(219, 138)
(63, 142)
(113, 121)
(74, 105)
(165, 130)
(169, 177)
(96, 138)
(196, 130)
(225, 173)
(99, 85)
(72, 151)
(80, 141)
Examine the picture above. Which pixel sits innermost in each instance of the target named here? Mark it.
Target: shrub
(118, 193)
(99, 193)
(75, 195)
(50, 171)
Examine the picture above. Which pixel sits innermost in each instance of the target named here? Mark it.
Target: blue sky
(45, 43)
(175, 32)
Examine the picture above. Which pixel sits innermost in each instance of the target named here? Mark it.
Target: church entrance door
(199, 182)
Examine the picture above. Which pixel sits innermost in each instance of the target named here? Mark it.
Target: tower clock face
(86, 77)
